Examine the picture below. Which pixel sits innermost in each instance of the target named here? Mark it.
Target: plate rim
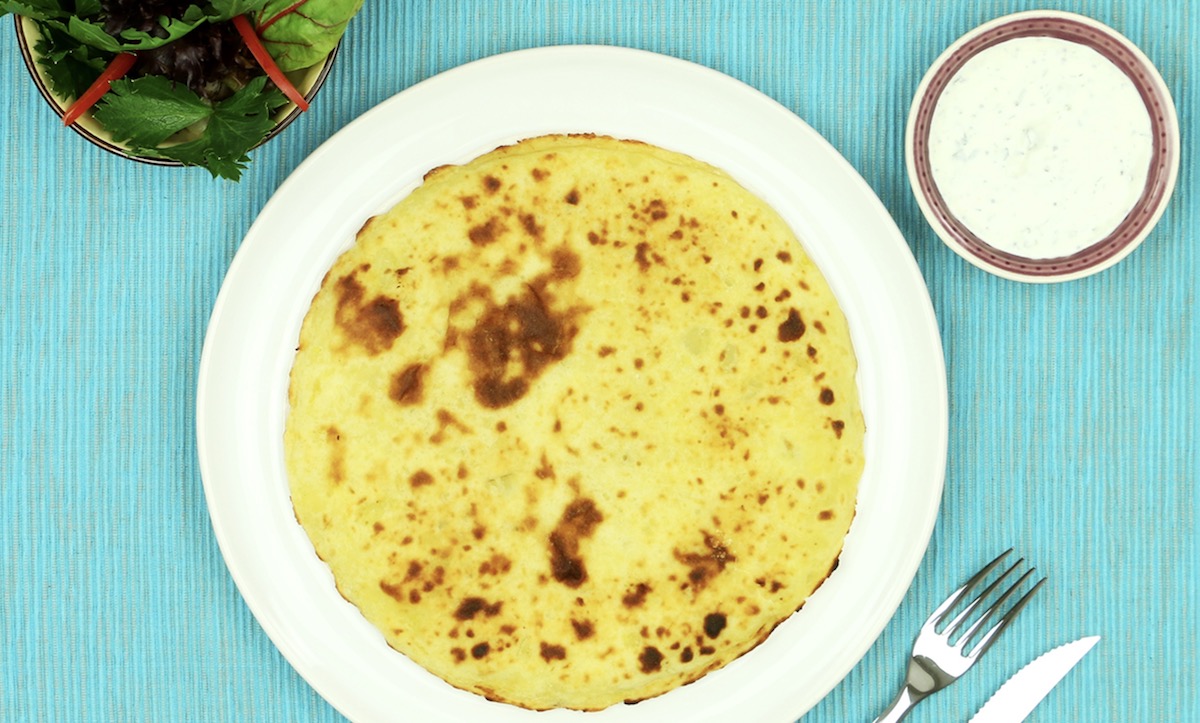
(935, 455)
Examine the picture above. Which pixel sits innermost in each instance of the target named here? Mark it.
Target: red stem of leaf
(259, 51)
(116, 69)
(281, 14)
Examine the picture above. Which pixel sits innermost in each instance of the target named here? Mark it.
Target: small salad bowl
(307, 81)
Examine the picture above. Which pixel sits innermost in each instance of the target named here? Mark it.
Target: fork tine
(953, 625)
(939, 614)
(990, 636)
(991, 610)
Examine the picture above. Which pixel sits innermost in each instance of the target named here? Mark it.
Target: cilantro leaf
(150, 110)
(200, 153)
(244, 119)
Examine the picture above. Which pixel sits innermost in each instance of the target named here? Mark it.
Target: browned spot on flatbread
(337, 455)
(704, 566)
(578, 521)
(826, 396)
(374, 325)
(531, 226)
(584, 629)
(546, 470)
(487, 232)
(539, 174)
(792, 328)
(446, 421)
(656, 210)
(552, 652)
(393, 591)
(512, 344)
(472, 606)
(650, 659)
(641, 256)
(491, 184)
(420, 478)
(564, 264)
(480, 650)
(714, 623)
(497, 564)
(636, 596)
(572, 197)
(406, 388)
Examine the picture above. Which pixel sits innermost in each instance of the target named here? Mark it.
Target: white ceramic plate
(454, 117)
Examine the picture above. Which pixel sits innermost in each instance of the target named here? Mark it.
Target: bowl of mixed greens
(180, 83)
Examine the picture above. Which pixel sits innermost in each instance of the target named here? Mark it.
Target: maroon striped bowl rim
(1164, 161)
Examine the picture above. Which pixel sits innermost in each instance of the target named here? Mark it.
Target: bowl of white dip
(1042, 146)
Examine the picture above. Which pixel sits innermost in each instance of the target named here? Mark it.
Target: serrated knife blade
(1020, 694)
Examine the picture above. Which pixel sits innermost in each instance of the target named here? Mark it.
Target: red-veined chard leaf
(300, 33)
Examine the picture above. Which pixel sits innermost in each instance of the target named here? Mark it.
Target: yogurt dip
(1040, 146)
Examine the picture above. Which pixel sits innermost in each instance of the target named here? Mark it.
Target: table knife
(1021, 693)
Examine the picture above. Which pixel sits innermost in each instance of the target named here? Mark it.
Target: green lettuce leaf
(85, 25)
(219, 10)
(35, 9)
(92, 33)
(300, 33)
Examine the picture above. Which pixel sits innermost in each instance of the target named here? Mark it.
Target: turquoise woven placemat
(1072, 430)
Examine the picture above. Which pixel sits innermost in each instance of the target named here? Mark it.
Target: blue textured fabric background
(1073, 429)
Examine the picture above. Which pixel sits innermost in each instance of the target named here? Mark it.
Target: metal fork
(940, 658)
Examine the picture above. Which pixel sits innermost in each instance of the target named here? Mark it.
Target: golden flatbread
(575, 423)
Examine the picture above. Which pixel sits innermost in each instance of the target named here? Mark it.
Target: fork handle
(901, 705)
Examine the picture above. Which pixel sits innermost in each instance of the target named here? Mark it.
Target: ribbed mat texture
(1073, 432)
